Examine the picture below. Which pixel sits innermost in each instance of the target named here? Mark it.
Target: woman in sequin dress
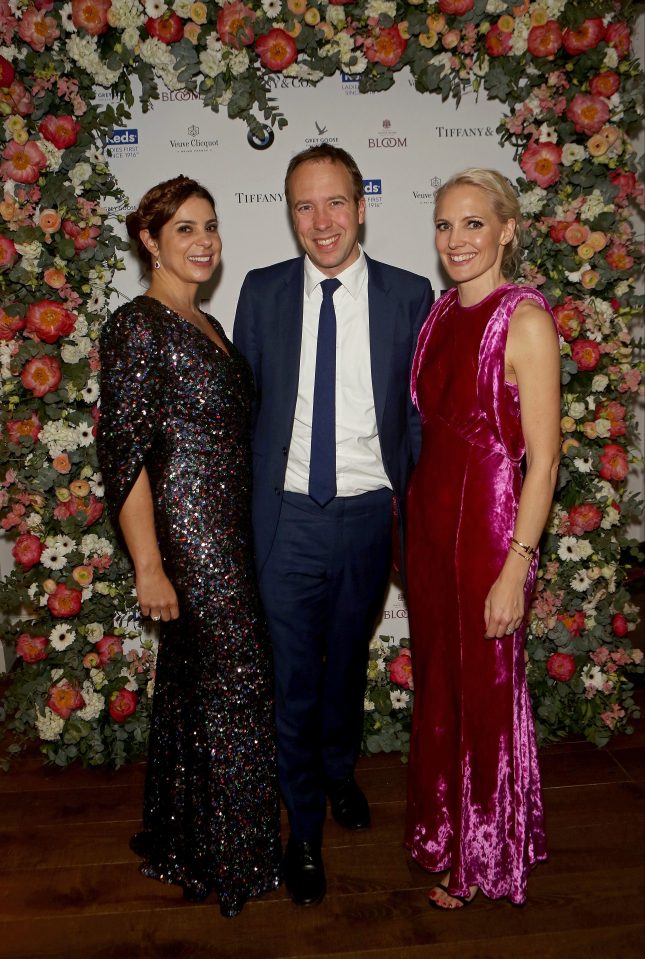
(486, 381)
(174, 451)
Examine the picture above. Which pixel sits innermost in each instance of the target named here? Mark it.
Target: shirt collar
(352, 278)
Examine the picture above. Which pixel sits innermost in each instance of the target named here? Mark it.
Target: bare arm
(156, 594)
(533, 362)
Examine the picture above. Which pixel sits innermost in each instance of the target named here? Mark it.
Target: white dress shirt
(359, 464)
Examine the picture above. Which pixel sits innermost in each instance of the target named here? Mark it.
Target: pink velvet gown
(474, 798)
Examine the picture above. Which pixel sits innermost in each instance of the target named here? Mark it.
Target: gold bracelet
(527, 549)
(528, 559)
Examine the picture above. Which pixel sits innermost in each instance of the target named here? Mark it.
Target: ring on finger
(156, 618)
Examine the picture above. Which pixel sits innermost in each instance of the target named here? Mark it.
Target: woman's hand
(504, 605)
(156, 595)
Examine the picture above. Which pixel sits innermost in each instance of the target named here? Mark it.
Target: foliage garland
(83, 682)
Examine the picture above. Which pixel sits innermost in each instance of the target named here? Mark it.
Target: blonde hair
(503, 199)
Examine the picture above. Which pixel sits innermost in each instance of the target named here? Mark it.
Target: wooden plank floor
(69, 886)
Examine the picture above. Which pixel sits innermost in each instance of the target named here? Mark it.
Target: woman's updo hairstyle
(158, 206)
(505, 204)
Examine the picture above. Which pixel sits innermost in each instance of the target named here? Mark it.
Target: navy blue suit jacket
(268, 331)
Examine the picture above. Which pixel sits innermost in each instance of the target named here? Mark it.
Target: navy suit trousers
(322, 586)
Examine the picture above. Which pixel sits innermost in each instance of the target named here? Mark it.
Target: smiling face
(470, 239)
(188, 247)
(325, 215)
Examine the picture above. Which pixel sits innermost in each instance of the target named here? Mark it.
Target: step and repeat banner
(405, 144)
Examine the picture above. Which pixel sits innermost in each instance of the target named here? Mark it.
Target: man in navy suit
(326, 355)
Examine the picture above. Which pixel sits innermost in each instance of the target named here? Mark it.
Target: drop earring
(157, 264)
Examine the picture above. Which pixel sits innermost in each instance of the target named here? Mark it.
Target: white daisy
(584, 464)
(272, 8)
(96, 485)
(593, 676)
(62, 636)
(580, 582)
(84, 433)
(90, 392)
(566, 549)
(66, 20)
(399, 698)
(64, 544)
(368, 705)
(53, 558)
(155, 8)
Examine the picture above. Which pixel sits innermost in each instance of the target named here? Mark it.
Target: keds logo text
(372, 187)
(121, 138)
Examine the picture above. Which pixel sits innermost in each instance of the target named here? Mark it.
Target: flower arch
(82, 686)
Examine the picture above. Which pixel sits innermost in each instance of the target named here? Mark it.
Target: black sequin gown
(172, 401)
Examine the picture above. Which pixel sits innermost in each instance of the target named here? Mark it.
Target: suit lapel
(288, 333)
(382, 320)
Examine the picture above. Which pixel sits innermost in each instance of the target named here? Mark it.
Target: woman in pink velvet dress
(486, 381)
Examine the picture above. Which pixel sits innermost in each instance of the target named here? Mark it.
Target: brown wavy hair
(159, 205)
(505, 204)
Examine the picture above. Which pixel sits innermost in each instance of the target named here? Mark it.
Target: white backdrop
(405, 144)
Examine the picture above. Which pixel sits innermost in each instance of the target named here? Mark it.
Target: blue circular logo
(263, 140)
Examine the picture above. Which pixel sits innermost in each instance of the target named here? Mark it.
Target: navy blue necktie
(322, 464)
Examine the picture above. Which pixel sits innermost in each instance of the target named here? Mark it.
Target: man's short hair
(325, 151)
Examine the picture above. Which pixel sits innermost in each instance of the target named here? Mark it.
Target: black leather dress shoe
(349, 805)
(303, 872)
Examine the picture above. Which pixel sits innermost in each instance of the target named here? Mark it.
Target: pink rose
(545, 40)
(8, 253)
(122, 704)
(108, 647)
(604, 84)
(386, 46)
(235, 24)
(561, 666)
(498, 42)
(84, 237)
(27, 428)
(400, 670)
(37, 29)
(91, 15)
(456, 7)
(541, 163)
(22, 162)
(49, 320)
(41, 375)
(586, 354)
(31, 648)
(585, 37)
(7, 72)
(619, 625)
(584, 518)
(613, 462)
(588, 113)
(276, 49)
(64, 602)
(64, 698)
(167, 29)
(618, 36)
(27, 551)
(569, 320)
